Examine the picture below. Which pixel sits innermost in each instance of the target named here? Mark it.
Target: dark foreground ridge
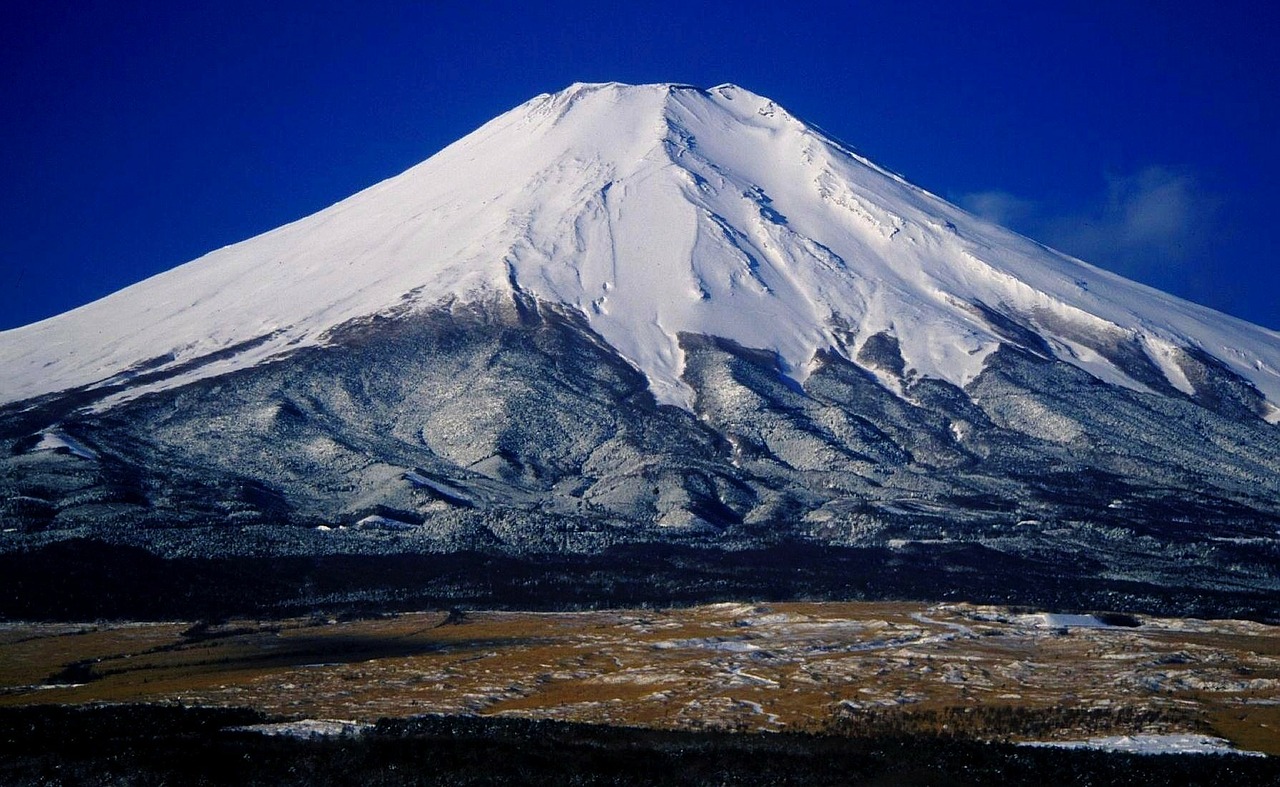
(85, 580)
(169, 745)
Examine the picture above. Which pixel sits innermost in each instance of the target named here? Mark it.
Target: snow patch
(708, 643)
(1055, 620)
(1153, 744)
(376, 522)
(758, 709)
(308, 728)
(1165, 355)
(52, 440)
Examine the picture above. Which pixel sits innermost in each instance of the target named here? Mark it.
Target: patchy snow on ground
(308, 728)
(708, 643)
(1153, 744)
(376, 522)
(1055, 620)
(54, 440)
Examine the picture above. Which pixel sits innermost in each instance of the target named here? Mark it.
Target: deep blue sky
(1141, 136)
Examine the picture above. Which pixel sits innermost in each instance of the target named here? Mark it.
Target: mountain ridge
(645, 208)
(656, 321)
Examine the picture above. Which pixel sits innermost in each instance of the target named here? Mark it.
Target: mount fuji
(655, 315)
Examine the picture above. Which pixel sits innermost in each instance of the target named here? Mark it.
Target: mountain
(652, 314)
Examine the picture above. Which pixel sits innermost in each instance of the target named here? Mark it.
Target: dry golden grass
(785, 666)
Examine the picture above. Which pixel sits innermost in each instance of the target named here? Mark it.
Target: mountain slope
(654, 210)
(655, 315)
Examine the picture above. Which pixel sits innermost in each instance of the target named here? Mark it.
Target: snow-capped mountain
(653, 210)
(638, 313)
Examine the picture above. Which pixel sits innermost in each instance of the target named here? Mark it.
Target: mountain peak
(656, 211)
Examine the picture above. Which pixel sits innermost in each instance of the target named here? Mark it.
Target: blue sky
(1141, 136)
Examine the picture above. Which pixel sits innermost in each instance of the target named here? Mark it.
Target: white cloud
(999, 206)
(1152, 225)
(1154, 216)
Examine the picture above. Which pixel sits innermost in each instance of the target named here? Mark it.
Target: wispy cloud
(1154, 225)
(999, 206)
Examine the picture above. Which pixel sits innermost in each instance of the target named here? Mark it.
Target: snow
(1153, 744)
(708, 643)
(654, 210)
(308, 728)
(51, 440)
(758, 709)
(1057, 620)
(377, 522)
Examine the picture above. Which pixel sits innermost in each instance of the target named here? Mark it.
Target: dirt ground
(990, 671)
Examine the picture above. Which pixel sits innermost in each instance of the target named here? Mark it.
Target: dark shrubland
(151, 745)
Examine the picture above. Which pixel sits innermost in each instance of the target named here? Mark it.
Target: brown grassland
(845, 668)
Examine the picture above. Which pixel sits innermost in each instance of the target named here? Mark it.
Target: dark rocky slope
(510, 428)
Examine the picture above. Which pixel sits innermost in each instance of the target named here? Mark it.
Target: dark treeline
(149, 745)
(84, 580)
(1007, 722)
